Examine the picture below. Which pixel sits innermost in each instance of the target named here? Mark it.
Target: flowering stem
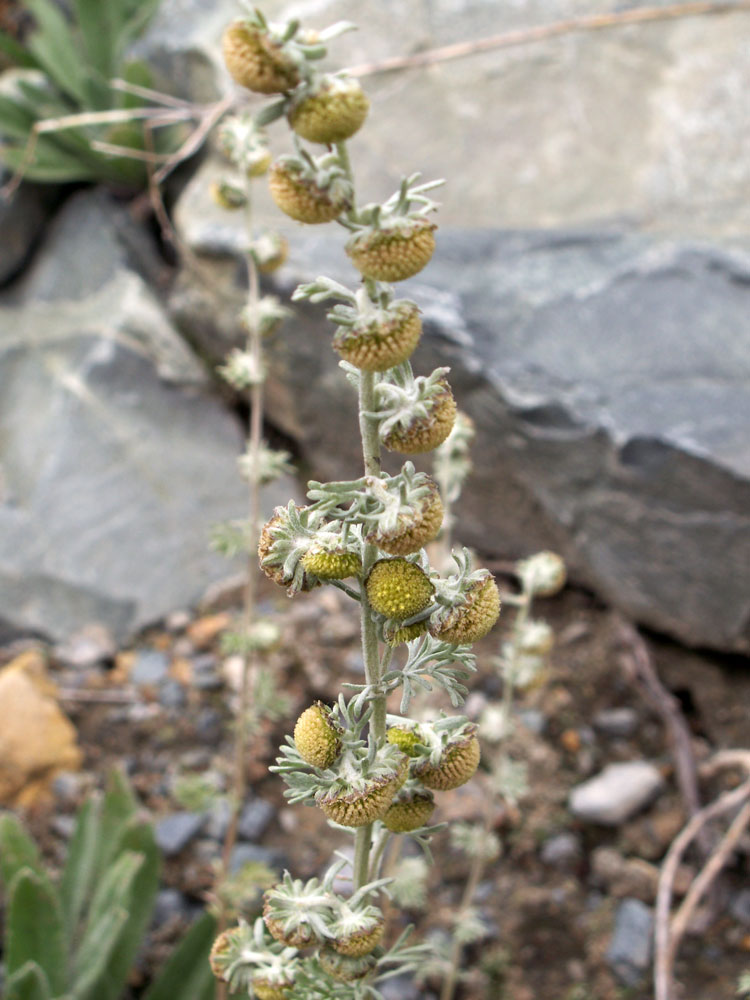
(368, 427)
(249, 658)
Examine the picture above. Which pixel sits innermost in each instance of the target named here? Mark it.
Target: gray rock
(401, 988)
(609, 380)
(739, 907)
(254, 819)
(245, 854)
(617, 723)
(115, 459)
(64, 826)
(174, 832)
(172, 694)
(150, 666)
(21, 221)
(563, 850)
(629, 953)
(170, 904)
(616, 793)
(218, 819)
(534, 720)
(88, 647)
(646, 124)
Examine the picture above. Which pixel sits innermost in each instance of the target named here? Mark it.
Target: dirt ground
(549, 922)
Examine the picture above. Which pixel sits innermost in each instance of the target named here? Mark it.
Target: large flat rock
(645, 125)
(609, 379)
(116, 458)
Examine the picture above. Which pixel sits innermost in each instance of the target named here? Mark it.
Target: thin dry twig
(525, 36)
(666, 935)
(640, 671)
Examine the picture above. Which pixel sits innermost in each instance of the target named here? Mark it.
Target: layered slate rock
(609, 379)
(643, 124)
(116, 457)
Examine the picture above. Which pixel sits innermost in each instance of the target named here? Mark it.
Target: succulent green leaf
(80, 866)
(95, 20)
(138, 838)
(52, 44)
(27, 983)
(17, 850)
(187, 972)
(35, 928)
(48, 167)
(107, 917)
(16, 121)
(16, 53)
(130, 18)
(118, 809)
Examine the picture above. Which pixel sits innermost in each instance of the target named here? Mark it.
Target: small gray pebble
(629, 952)
(150, 666)
(534, 720)
(175, 831)
(170, 903)
(172, 694)
(64, 826)
(243, 854)
(218, 820)
(739, 907)
(254, 819)
(617, 723)
(563, 850)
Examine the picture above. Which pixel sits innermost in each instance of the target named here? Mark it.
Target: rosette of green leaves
(64, 67)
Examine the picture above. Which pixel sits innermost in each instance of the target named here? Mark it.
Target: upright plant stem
(253, 346)
(368, 427)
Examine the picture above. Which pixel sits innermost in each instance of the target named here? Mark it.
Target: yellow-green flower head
(227, 196)
(328, 564)
(395, 636)
(472, 620)
(256, 61)
(360, 942)
(343, 967)
(404, 739)
(410, 810)
(379, 343)
(302, 198)
(302, 936)
(333, 113)
(414, 529)
(317, 737)
(273, 531)
(423, 434)
(457, 764)
(396, 251)
(398, 589)
(543, 574)
(264, 989)
(360, 806)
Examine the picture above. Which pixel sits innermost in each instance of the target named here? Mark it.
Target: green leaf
(16, 52)
(120, 806)
(106, 918)
(187, 972)
(49, 165)
(80, 865)
(17, 850)
(133, 17)
(35, 929)
(95, 19)
(138, 838)
(28, 983)
(52, 43)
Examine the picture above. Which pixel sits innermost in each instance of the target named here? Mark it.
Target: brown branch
(665, 942)
(525, 36)
(640, 671)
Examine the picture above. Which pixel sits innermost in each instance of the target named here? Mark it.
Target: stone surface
(645, 124)
(37, 742)
(150, 667)
(616, 723)
(21, 222)
(616, 793)
(608, 376)
(115, 457)
(254, 819)
(563, 850)
(175, 831)
(629, 953)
